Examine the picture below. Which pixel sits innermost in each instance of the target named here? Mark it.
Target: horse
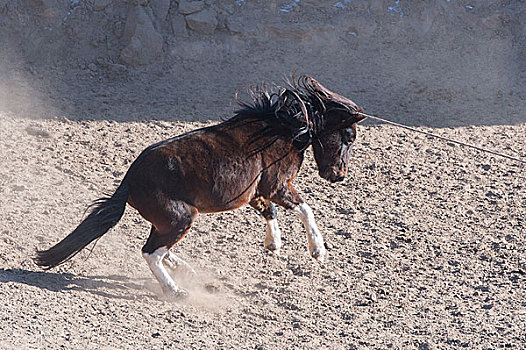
(250, 158)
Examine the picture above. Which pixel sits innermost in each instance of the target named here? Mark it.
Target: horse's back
(207, 168)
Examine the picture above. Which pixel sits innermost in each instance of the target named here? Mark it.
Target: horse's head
(312, 115)
(333, 142)
(332, 152)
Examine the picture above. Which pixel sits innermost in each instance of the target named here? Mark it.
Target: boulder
(204, 22)
(146, 44)
(179, 26)
(160, 8)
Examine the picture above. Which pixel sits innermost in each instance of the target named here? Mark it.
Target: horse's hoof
(273, 247)
(178, 294)
(275, 252)
(318, 254)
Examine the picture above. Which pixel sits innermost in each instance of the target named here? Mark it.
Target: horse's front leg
(290, 199)
(173, 261)
(267, 209)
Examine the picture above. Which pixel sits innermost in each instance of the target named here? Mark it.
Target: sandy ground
(427, 249)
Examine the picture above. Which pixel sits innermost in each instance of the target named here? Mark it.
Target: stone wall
(427, 62)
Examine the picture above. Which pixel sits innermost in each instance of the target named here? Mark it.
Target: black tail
(105, 214)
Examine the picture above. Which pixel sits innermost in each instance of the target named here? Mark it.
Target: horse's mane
(296, 111)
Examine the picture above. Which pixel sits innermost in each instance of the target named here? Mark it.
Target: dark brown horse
(251, 158)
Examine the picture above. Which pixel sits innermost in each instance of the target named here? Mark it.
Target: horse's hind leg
(169, 225)
(268, 211)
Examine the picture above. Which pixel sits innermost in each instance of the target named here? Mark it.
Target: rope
(442, 137)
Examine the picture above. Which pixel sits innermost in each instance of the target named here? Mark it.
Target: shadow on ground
(113, 286)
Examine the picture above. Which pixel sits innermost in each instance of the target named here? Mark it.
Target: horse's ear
(353, 118)
(327, 95)
(359, 117)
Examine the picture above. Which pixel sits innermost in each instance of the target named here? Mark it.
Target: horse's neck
(282, 157)
(251, 134)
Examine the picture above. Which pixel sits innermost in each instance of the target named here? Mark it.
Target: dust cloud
(19, 93)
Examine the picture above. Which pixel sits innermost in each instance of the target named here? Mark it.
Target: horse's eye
(348, 136)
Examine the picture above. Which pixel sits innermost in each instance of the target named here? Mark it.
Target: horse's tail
(106, 212)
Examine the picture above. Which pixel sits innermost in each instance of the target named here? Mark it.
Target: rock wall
(439, 63)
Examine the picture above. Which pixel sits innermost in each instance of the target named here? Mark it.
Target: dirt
(426, 249)
(426, 239)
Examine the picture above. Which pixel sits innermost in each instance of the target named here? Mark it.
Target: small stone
(102, 62)
(99, 5)
(35, 131)
(423, 346)
(117, 70)
(19, 188)
(491, 194)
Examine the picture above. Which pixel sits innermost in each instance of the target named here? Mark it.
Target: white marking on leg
(155, 262)
(273, 238)
(173, 261)
(316, 245)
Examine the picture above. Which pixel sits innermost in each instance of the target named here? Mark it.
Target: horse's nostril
(336, 177)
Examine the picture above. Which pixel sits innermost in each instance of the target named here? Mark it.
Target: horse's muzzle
(336, 178)
(333, 175)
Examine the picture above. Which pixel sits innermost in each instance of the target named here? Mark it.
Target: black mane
(296, 111)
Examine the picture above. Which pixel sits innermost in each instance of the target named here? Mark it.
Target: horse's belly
(225, 193)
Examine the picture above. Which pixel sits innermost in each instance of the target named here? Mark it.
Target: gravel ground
(427, 249)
